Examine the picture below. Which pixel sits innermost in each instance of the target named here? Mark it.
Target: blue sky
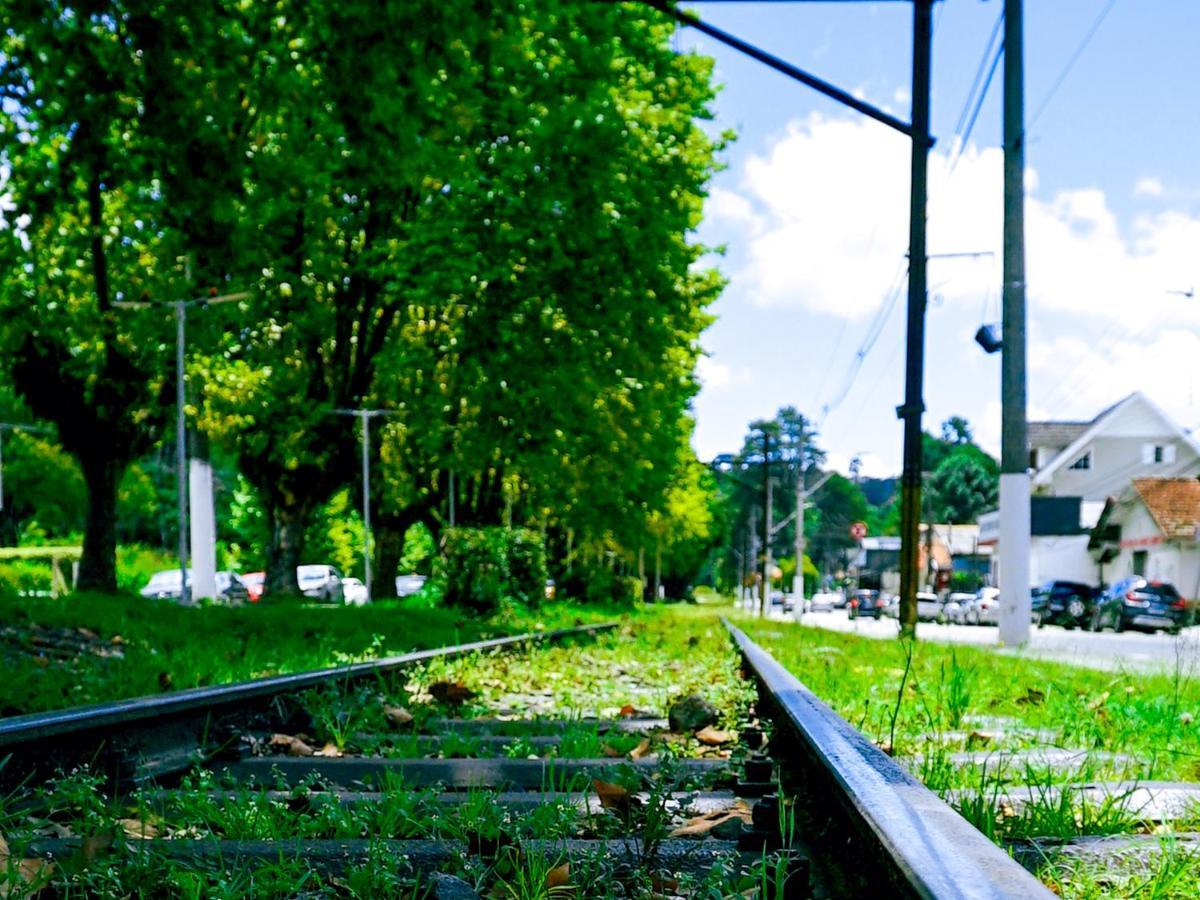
(813, 210)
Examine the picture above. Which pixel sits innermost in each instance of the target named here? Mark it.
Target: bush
(26, 576)
(602, 585)
(483, 567)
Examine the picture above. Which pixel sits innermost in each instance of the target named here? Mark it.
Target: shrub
(483, 567)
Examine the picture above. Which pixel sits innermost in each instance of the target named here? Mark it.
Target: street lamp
(365, 416)
(208, 587)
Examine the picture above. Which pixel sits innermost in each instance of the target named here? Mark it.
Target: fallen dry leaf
(1032, 697)
(614, 797)
(397, 716)
(1099, 701)
(610, 751)
(702, 825)
(454, 692)
(330, 750)
(137, 828)
(94, 844)
(714, 737)
(34, 873)
(292, 746)
(559, 876)
(627, 711)
(642, 749)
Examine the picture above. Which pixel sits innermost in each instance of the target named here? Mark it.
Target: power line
(1062, 76)
(874, 331)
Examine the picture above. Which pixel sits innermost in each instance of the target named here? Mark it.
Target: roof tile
(1174, 504)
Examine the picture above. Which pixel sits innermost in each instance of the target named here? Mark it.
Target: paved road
(1104, 650)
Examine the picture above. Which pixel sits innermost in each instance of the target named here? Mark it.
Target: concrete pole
(366, 500)
(798, 578)
(203, 524)
(914, 403)
(181, 468)
(764, 597)
(1015, 606)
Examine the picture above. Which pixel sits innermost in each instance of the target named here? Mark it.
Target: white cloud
(824, 224)
(823, 229)
(714, 375)
(1148, 186)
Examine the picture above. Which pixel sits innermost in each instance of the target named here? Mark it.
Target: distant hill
(879, 491)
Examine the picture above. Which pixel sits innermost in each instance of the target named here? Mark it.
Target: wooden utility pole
(1014, 454)
(914, 403)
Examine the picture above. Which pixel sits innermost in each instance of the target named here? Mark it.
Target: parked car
(956, 606)
(1144, 605)
(985, 609)
(167, 585)
(321, 582)
(826, 601)
(1065, 603)
(867, 604)
(354, 592)
(407, 585)
(256, 583)
(780, 599)
(929, 607)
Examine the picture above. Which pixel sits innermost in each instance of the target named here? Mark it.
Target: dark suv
(1145, 605)
(1065, 603)
(867, 604)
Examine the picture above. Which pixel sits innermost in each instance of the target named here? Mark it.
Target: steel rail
(925, 848)
(17, 730)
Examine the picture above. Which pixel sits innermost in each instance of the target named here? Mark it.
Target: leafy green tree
(961, 489)
(119, 122)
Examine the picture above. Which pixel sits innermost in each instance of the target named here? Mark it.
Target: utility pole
(914, 403)
(802, 495)
(1015, 605)
(364, 416)
(181, 467)
(764, 593)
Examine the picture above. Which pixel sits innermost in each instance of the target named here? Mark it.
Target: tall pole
(764, 593)
(366, 500)
(914, 404)
(798, 578)
(181, 447)
(1014, 461)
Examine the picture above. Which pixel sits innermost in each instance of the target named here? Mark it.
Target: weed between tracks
(945, 701)
(568, 684)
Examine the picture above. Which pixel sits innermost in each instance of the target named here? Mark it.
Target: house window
(1084, 462)
(1139, 562)
(1158, 454)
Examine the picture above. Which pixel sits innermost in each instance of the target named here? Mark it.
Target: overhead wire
(1066, 70)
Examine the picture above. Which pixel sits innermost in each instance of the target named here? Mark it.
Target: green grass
(580, 679)
(132, 646)
(924, 701)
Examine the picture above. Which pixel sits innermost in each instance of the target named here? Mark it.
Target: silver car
(957, 606)
(321, 582)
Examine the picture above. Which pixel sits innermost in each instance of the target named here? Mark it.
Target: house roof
(1173, 503)
(1096, 426)
(1055, 434)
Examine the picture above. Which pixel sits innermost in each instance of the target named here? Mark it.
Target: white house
(1077, 466)
(1152, 528)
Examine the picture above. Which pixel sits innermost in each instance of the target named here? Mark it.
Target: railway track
(321, 784)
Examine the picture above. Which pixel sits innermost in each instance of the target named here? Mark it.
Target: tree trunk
(389, 547)
(286, 548)
(98, 566)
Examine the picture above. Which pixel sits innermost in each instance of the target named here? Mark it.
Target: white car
(321, 582)
(957, 606)
(929, 607)
(407, 585)
(986, 608)
(826, 601)
(354, 592)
